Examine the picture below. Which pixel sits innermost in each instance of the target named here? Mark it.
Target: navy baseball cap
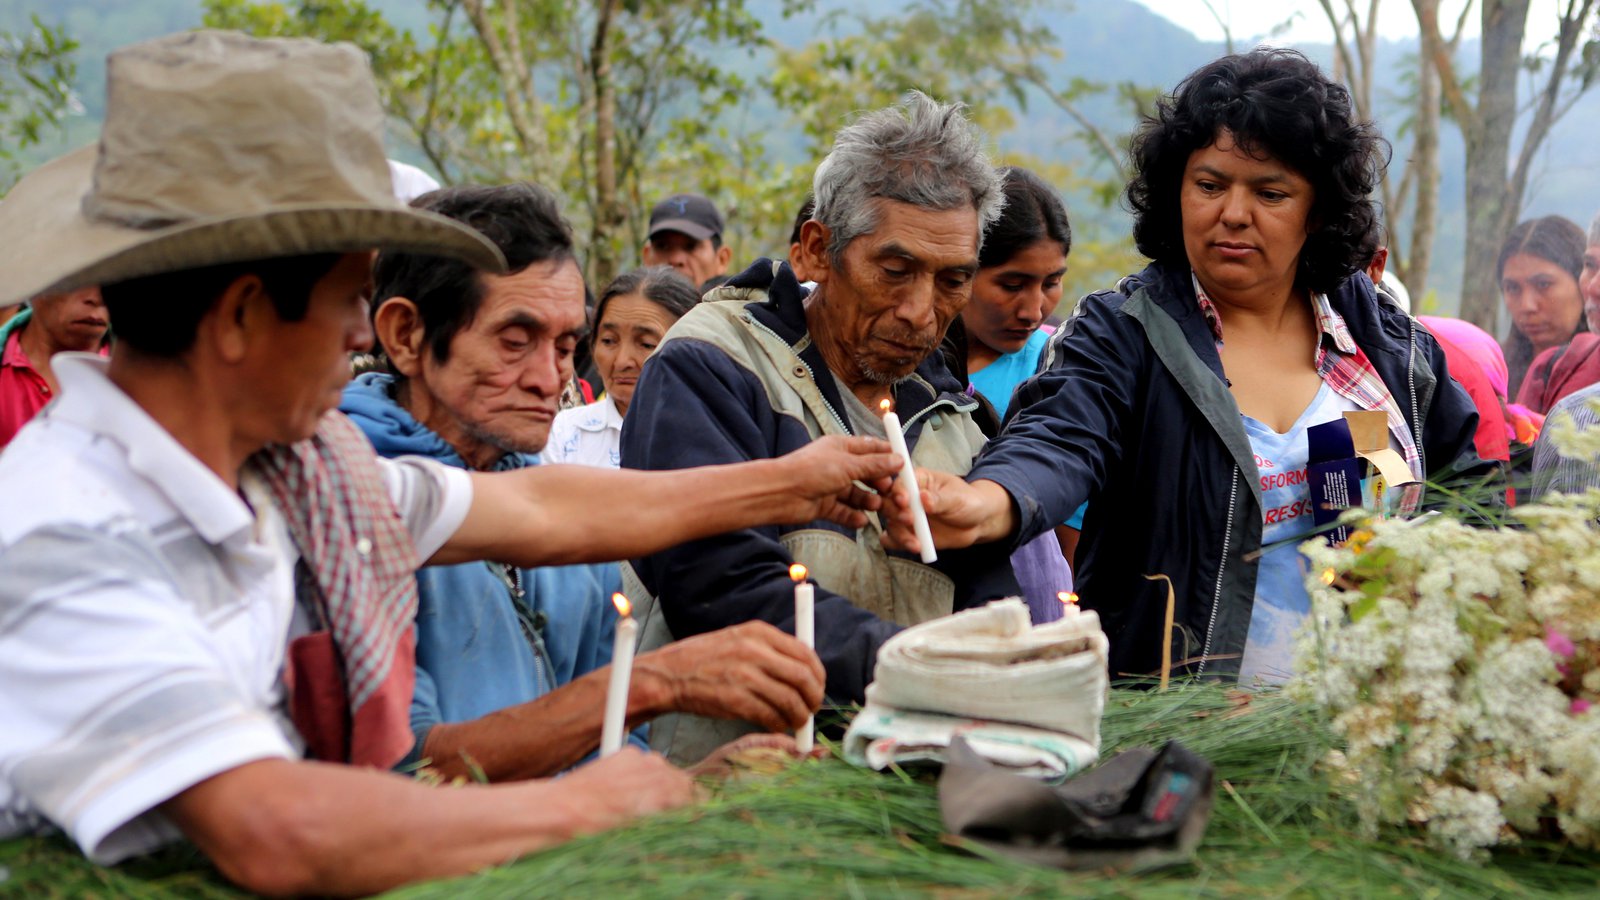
(690, 214)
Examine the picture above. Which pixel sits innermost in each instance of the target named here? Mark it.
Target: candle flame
(797, 573)
(624, 608)
(885, 405)
(1328, 575)
(1068, 598)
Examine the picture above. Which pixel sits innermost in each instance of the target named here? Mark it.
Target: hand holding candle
(616, 718)
(908, 479)
(805, 629)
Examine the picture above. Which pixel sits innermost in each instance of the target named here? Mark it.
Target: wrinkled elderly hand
(628, 784)
(751, 671)
(758, 753)
(826, 478)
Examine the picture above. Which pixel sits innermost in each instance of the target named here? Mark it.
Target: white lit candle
(616, 720)
(805, 628)
(908, 479)
(1069, 603)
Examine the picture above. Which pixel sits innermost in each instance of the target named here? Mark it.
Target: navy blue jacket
(1131, 412)
(696, 406)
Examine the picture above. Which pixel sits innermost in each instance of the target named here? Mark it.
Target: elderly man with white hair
(764, 367)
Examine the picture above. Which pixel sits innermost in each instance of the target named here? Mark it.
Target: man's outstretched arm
(547, 515)
(282, 828)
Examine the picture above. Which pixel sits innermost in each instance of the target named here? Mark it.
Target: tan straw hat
(219, 148)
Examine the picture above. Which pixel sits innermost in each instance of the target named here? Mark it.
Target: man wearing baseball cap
(686, 234)
(205, 572)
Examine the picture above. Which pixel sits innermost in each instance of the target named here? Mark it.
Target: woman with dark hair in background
(1553, 470)
(633, 314)
(1020, 267)
(999, 336)
(1549, 352)
(1178, 403)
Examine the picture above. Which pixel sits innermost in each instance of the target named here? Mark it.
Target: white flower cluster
(1458, 665)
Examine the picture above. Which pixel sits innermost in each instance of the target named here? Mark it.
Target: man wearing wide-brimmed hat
(196, 552)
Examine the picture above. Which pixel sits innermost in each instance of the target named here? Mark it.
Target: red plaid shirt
(1344, 367)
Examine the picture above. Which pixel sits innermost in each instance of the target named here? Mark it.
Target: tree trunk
(1574, 19)
(604, 263)
(1491, 202)
(516, 82)
(1355, 42)
(1425, 171)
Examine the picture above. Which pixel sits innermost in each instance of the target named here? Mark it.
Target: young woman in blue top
(1018, 285)
(1023, 260)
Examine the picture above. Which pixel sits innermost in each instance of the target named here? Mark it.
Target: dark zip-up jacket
(1131, 412)
(696, 404)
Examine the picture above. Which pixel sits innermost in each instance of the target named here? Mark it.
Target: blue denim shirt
(480, 646)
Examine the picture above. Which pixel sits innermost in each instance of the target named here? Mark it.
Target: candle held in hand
(805, 628)
(616, 719)
(908, 480)
(1069, 602)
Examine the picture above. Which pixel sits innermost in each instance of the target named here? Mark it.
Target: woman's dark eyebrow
(1269, 178)
(1018, 273)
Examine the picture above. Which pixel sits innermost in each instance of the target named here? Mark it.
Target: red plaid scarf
(349, 686)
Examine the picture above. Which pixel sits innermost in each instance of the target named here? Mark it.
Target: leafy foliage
(496, 92)
(36, 75)
(688, 92)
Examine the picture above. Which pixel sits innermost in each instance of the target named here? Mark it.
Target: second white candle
(908, 479)
(616, 717)
(805, 629)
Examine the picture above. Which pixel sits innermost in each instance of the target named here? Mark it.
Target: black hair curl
(1033, 213)
(1273, 102)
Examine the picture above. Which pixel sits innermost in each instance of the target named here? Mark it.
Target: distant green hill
(1103, 40)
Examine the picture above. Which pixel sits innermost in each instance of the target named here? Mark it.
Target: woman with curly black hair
(1178, 404)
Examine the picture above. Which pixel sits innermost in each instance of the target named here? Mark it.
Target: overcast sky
(1249, 18)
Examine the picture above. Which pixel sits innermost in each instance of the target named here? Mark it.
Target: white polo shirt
(586, 435)
(145, 610)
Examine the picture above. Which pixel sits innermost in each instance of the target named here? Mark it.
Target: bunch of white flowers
(1459, 666)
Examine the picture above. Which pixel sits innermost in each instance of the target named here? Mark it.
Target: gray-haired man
(901, 205)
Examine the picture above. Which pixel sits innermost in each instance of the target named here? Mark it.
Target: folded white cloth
(881, 736)
(991, 676)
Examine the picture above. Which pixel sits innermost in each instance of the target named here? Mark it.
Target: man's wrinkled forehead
(941, 240)
(547, 297)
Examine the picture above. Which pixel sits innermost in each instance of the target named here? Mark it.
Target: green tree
(619, 102)
(36, 74)
(995, 56)
(587, 98)
(1410, 188)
